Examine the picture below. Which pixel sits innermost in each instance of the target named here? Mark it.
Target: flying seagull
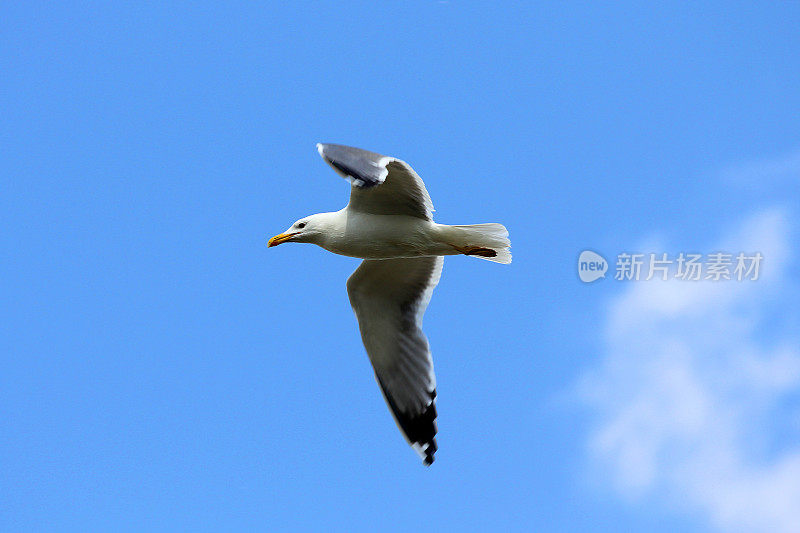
(389, 224)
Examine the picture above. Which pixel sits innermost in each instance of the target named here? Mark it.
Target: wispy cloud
(697, 397)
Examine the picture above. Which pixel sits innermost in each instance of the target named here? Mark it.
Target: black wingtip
(429, 451)
(362, 167)
(419, 429)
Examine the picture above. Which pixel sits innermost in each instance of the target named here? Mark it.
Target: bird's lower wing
(389, 297)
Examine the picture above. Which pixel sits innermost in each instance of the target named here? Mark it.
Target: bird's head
(307, 229)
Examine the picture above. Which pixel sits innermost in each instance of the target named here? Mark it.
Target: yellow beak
(280, 239)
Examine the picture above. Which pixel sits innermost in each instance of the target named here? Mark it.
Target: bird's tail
(485, 241)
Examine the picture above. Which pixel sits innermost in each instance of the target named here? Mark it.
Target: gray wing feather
(382, 185)
(389, 297)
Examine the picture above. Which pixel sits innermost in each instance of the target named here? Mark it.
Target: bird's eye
(301, 225)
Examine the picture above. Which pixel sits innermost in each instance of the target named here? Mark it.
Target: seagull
(389, 224)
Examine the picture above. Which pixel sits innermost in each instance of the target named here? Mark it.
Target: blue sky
(162, 369)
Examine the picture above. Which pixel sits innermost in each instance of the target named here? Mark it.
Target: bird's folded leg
(476, 250)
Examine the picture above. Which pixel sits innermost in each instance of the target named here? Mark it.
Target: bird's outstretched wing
(382, 185)
(389, 297)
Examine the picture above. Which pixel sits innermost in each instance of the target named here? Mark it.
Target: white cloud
(697, 397)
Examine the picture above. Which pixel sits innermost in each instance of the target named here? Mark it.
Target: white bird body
(389, 224)
(369, 236)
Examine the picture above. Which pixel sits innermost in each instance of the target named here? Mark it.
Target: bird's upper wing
(389, 297)
(382, 185)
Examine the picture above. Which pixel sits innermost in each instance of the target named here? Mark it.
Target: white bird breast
(385, 236)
